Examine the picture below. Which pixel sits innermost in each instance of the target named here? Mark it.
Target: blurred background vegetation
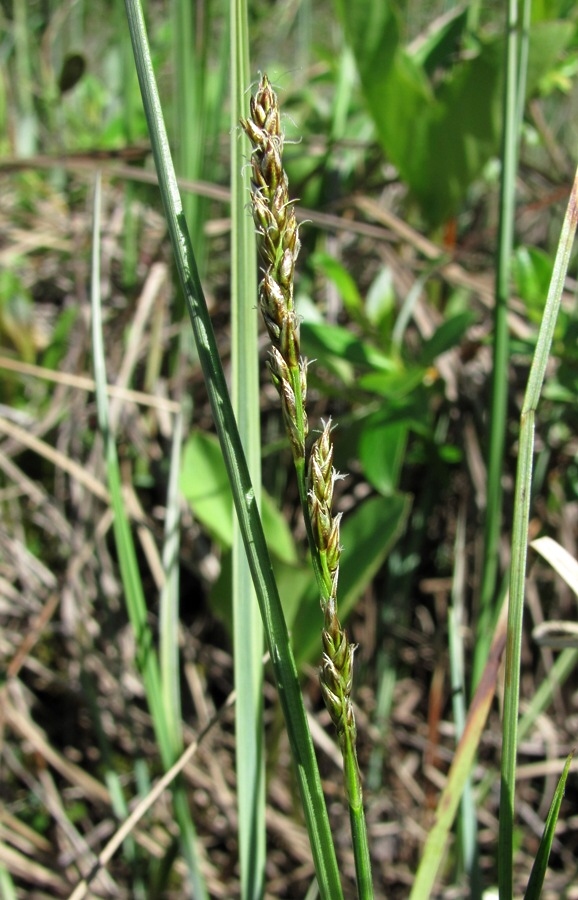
(393, 123)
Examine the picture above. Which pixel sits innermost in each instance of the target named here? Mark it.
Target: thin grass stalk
(540, 864)
(467, 822)
(248, 634)
(523, 57)
(556, 677)
(130, 100)
(279, 646)
(278, 243)
(189, 109)
(146, 657)
(499, 388)
(520, 547)
(169, 599)
(26, 122)
(435, 846)
(7, 889)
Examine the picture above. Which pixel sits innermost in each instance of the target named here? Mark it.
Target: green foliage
(437, 109)
(367, 533)
(59, 338)
(535, 884)
(532, 270)
(206, 487)
(435, 105)
(18, 331)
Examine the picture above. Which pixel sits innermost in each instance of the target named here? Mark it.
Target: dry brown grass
(65, 645)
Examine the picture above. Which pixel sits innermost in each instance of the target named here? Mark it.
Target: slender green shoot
(7, 889)
(248, 629)
(146, 657)
(169, 600)
(513, 85)
(467, 823)
(520, 546)
(282, 658)
(536, 882)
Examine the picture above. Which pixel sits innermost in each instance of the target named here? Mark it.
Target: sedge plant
(278, 243)
(243, 491)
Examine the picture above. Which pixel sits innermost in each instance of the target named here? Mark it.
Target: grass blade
(499, 388)
(169, 600)
(520, 546)
(147, 661)
(433, 853)
(243, 492)
(248, 629)
(534, 889)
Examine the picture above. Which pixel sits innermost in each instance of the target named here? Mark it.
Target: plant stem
(282, 658)
(278, 242)
(520, 547)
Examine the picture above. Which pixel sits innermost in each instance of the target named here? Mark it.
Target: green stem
(357, 817)
(499, 388)
(282, 658)
(520, 546)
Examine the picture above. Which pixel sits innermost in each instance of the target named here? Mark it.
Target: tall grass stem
(146, 656)
(248, 516)
(499, 389)
(520, 547)
(248, 629)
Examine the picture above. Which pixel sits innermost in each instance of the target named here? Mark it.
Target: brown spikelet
(278, 242)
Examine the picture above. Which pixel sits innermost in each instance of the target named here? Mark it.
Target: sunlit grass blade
(435, 846)
(136, 605)
(169, 599)
(146, 657)
(243, 491)
(534, 889)
(467, 822)
(7, 889)
(27, 121)
(520, 546)
(248, 629)
(500, 362)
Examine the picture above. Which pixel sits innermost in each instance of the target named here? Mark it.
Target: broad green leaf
(343, 281)
(547, 41)
(381, 451)
(461, 132)
(322, 341)
(438, 46)
(380, 300)
(293, 581)
(438, 134)
(532, 270)
(393, 384)
(447, 336)
(205, 486)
